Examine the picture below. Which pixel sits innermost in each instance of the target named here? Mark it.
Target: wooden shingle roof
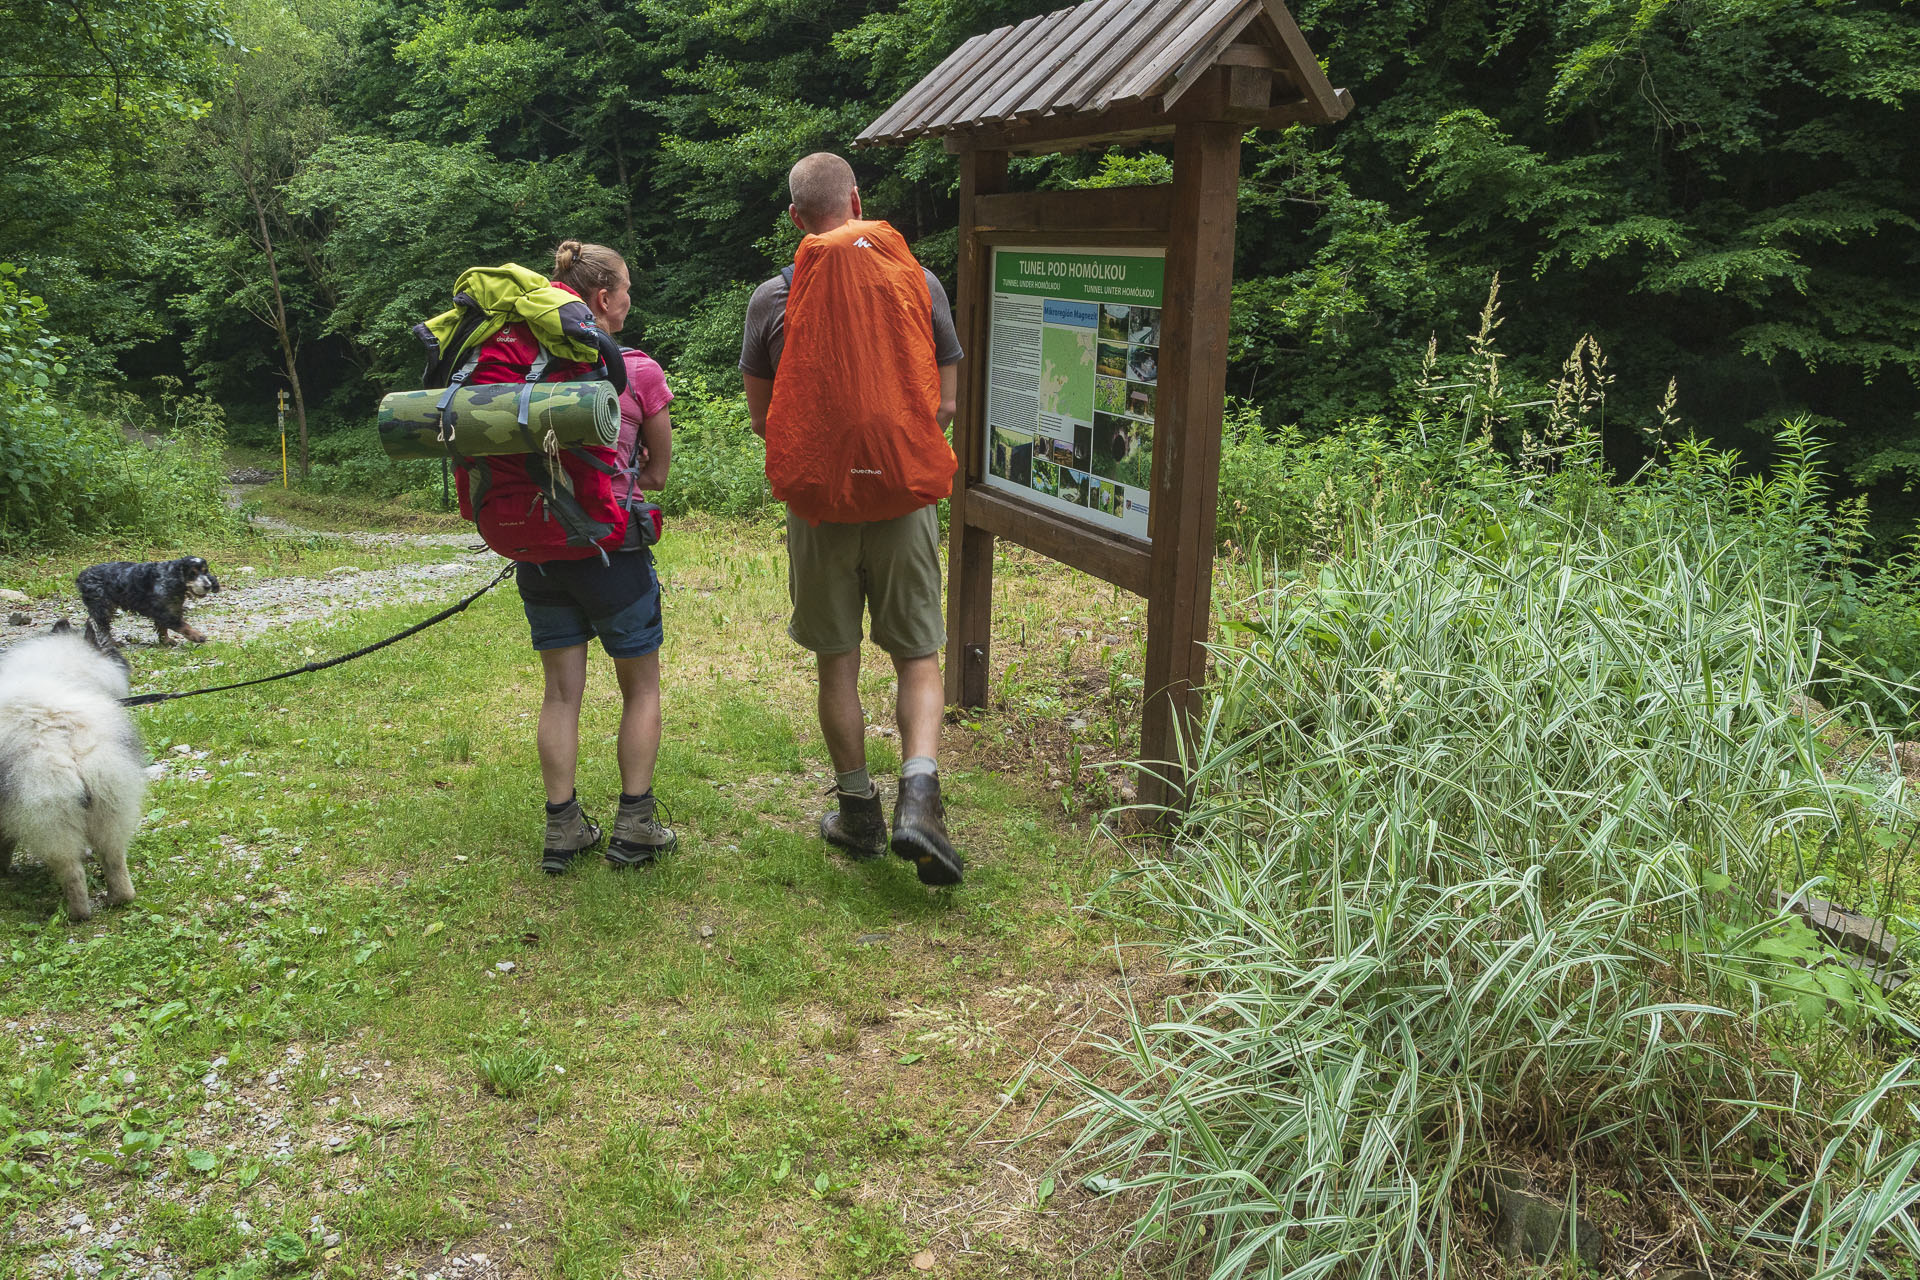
(1107, 69)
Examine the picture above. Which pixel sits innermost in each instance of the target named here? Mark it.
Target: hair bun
(565, 256)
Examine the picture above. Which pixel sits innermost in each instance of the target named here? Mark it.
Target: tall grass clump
(1489, 811)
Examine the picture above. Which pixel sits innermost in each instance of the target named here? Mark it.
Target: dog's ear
(63, 628)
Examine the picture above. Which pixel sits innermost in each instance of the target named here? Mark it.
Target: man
(849, 366)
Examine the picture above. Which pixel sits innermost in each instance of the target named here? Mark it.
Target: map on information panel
(1073, 371)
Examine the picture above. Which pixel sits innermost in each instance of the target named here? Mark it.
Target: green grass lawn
(349, 1029)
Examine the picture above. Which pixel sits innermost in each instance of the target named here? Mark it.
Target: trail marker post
(283, 439)
(1093, 388)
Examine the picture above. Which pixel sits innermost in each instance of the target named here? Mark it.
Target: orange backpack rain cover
(852, 433)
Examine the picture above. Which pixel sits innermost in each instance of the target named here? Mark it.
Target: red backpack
(525, 507)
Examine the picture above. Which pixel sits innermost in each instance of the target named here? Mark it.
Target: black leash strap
(147, 699)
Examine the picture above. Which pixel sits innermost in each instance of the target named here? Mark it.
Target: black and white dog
(156, 591)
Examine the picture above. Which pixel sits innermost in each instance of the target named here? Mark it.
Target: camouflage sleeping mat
(486, 419)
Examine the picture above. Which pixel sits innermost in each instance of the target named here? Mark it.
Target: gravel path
(248, 605)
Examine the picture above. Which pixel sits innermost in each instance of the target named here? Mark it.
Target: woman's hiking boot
(859, 825)
(920, 831)
(639, 836)
(570, 833)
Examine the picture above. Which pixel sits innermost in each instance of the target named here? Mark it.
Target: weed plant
(1491, 805)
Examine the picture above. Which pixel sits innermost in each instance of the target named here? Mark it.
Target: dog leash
(148, 699)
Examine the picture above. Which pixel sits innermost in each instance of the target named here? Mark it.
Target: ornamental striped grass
(1484, 814)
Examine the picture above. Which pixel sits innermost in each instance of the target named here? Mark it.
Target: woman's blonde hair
(586, 267)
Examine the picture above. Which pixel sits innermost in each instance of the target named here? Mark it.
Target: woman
(570, 601)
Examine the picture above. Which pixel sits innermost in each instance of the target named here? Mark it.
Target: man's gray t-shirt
(766, 331)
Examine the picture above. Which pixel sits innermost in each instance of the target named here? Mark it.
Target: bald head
(823, 190)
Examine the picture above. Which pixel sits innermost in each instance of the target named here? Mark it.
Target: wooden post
(970, 551)
(1186, 456)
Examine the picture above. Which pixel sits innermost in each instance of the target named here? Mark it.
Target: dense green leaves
(1722, 191)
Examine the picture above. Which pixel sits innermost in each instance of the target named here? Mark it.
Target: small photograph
(1058, 452)
(1074, 485)
(1111, 360)
(1011, 455)
(1046, 478)
(1143, 363)
(1122, 450)
(1141, 398)
(1145, 329)
(1082, 447)
(1106, 497)
(1116, 321)
(1109, 395)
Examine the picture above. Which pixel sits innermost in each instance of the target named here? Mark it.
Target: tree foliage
(1722, 191)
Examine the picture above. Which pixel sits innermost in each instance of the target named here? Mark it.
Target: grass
(1491, 812)
(346, 1004)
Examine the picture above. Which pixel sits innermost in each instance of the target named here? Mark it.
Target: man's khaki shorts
(889, 566)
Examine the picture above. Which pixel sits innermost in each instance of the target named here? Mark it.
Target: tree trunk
(279, 302)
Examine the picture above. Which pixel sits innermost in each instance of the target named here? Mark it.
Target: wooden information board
(1095, 321)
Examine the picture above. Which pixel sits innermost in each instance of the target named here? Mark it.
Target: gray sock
(855, 782)
(918, 765)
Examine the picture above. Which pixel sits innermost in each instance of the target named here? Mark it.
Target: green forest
(1720, 192)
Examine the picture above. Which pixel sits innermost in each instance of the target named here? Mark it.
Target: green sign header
(1080, 277)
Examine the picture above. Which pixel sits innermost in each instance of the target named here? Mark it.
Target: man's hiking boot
(859, 826)
(638, 834)
(570, 833)
(920, 831)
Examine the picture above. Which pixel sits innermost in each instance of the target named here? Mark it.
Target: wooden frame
(1202, 71)
(1194, 219)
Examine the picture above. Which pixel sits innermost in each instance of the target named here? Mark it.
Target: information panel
(1073, 373)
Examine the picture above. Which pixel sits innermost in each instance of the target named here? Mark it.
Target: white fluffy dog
(72, 771)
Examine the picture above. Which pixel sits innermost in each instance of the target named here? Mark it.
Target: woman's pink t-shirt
(646, 395)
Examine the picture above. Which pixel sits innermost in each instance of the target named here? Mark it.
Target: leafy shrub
(719, 465)
(68, 472)
(351, 461)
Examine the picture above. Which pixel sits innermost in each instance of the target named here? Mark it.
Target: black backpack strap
(586, 458)
(442, 405)
(582, 529)
(534, 372)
